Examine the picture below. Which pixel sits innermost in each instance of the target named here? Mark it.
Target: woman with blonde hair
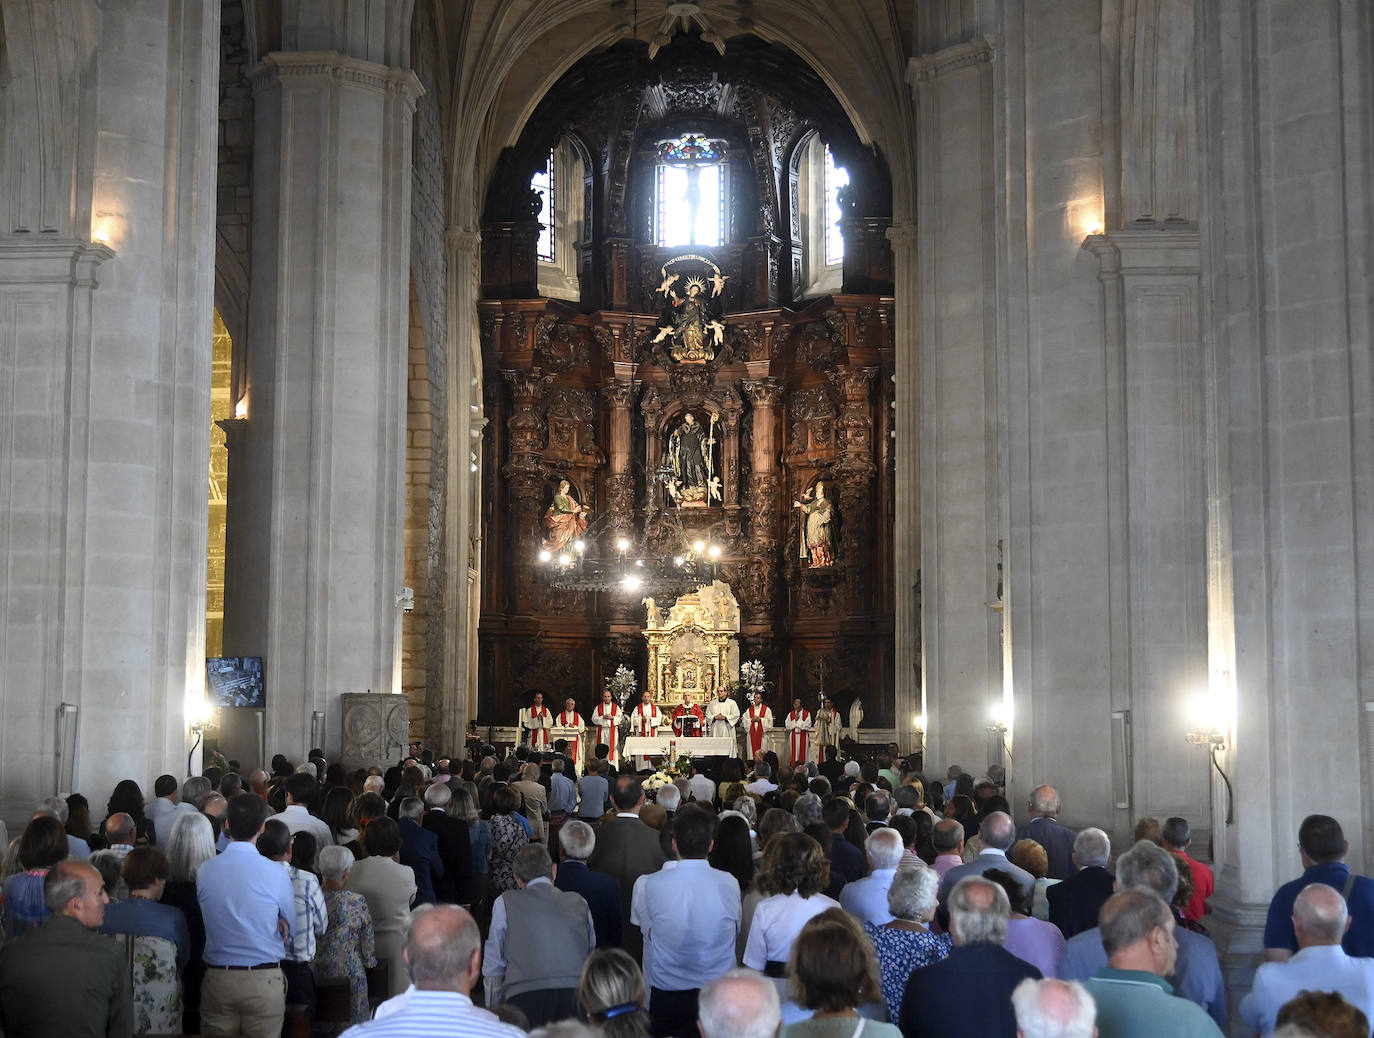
(832, 971)
(611, 993)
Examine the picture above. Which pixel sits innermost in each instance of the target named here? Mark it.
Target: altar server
(722, 716)
(798, 724)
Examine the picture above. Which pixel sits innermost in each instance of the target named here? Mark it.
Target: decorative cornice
(331, 66)
(1159, 249)
(42, 260)
(463, 242)
(952, 59)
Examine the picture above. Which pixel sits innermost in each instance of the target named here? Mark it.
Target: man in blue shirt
(249, 909)
(1323, 847)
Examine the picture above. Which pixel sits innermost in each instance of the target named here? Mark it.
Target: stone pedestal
(375, 727)
(315, 527)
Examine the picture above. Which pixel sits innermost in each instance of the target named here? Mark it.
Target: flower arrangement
(667, 772)
(751, 675)
(622, 685)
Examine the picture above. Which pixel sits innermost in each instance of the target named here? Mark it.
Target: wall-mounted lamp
(1209, 731)
(405, 601)
(241, 407)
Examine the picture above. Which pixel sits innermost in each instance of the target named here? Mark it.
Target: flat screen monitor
(235, 681)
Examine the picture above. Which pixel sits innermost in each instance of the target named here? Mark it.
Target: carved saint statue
(565, 520)
(693, 481)
(689, 321)
(818, 520)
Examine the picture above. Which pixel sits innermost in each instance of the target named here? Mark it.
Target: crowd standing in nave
(834, 895)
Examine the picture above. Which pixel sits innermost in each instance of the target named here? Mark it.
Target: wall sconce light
(241, 407)
(1209, 732)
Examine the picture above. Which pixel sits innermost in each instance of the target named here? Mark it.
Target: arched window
(691, 192)
(819, 182)
(560, 182)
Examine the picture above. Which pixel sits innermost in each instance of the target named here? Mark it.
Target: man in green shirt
(1133, 998)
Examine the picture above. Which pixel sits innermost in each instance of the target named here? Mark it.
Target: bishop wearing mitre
(536, 722)
(607, 717)
(798, 724)
(644, 721)
(758, 719)
(722, 715)
(570, 718)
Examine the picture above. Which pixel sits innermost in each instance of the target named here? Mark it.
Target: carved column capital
(763, 392)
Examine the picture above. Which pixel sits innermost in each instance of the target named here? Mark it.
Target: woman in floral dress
(347, 950)
(507, 837)
(906, 944)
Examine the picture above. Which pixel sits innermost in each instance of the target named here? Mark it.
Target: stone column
(959, 510)
(906, 534)
(315, 533)
(106, 279)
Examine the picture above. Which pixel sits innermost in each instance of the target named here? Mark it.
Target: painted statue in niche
(819, 522)
(690, 472)
(564, 521)
(692, 309)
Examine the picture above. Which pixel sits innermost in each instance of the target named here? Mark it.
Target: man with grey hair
(443, 952)
(1074, 903)
(61, 978)
(739, 1004)
(866, 899)
(193, 791)
(669, 798)
(57, 808)
(998, 834)
(1197, 973)
(576, 841)
(1320, 920)
(1053, 1009)
(1043, 805)
(969, 991)
(457, 885)
(1133, 998)
(540, 937)
(374, 784)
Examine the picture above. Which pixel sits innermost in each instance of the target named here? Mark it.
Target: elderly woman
(611, 993)
(162, 946)
(907, 943)
(832, 972)
(41, 846)
(389, 888)
(794, 873)
(190, 845)
(1030, 856)
(348, 949)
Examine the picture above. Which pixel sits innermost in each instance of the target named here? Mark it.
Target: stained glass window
(543, 182)
(691, 192)
(835, 178)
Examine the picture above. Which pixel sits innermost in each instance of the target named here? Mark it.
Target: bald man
(443, 953)
(1320, 920)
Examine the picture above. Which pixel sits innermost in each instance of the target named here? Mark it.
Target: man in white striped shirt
(444, 954)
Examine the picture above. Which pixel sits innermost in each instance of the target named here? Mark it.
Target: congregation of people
(504, 894)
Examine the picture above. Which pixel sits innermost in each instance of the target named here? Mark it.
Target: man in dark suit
(845, 858)
(877, 810)
(1075, 902)
(576, 841)
(419, 850)
(626, 849)
(969, 991)
(1044, 829)
(457, 886)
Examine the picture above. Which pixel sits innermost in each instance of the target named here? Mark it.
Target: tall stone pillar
(106, 280)
(906, 534)
(315, 534)
(959, 511)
